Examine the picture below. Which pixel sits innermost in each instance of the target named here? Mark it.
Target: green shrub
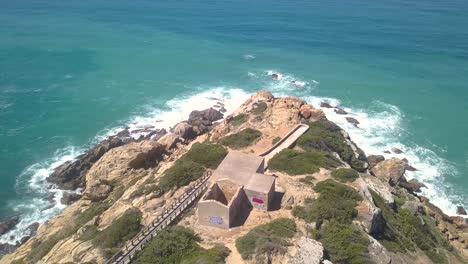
(181, 174)
(93, 210)
(120, 230)
(294, 162)
(324, 135)
(177, 244)
(89, 233)
(307, 180)
(345, 175)
(267, 238)
(275, 140)
(206, 154)
(40, 248)
(336, 201)
(241, 139)
(239, 119)
(18, 261)
(406, 231)
(344, 243)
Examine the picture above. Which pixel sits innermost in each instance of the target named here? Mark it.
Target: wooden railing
(127, 252)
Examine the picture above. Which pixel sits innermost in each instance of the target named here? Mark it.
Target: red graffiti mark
(257, 200)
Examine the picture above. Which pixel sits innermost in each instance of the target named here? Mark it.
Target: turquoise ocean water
(72, 72)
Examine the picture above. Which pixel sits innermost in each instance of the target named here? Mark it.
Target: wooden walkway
(127, 252)
(286, 142)
(131, 248)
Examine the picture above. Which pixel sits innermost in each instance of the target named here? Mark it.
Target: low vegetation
(333, 212)
(345, 175)
(326, 136)
(307, 180)
(405, 231)
(275, 140)
(295, 162)
(239, 119)
(267, 239)
(344, 243)
(336, 201)
(241, 139)
(178, 244)
(181, 174)
(206, 154)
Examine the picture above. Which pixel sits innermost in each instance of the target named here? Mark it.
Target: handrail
(128, 251)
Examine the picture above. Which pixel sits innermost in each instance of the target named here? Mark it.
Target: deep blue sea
(73, 72)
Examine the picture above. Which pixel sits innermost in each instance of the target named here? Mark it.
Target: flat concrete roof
(242, 168)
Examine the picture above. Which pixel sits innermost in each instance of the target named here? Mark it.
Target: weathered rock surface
(69, 198)
(202, 121)
(392, 170)
(369, 215)
(397, 150)
(97, 192)
(308, 251)
(150, 154)
(170, 140)
(309, 112)
(374, 159)
(184, 130)
(71, 175)
(378, 253)
(413, 185)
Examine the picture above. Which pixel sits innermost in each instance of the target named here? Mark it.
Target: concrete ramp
(286, 142)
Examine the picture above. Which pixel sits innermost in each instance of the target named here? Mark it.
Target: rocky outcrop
(310, 113)
(8, 224)
(71, 175)
(413, 185)
(378, 253)
(325, 105)
(170, 140)
(374, 159)
(98, 192)
(392, 170)
(69, 198)
(369, 215)
(397, 150)
(151, 153)
(308, 251)
(202, 121)
(461, 210)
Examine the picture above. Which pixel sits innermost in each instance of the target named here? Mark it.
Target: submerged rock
(340, 111)
(397, 150)
(352, 120)
(325, 105)
(8, 224)
(461, 210)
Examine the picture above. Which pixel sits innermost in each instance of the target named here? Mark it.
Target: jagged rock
(392, 170)
(381, 188)
(340, 111)
(69, 198)
(263, 95)
(397, 150)
(32, 228)
(325, 105)
(352, 120)
(309, 112)
(202, 121)
(8, 224)
(413, 206)
(169, 140)
(413, 185)
(369, 215)
(374, 159)
(410, 168)
(378, 253)
(461, 210)
(387, 152)
(259, 107)
(151, 153)
(183, 129)
(308, 251)
(98, 192)
(71, 174)
(156, 134)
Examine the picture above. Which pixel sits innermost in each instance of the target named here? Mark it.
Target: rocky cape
(119, 174)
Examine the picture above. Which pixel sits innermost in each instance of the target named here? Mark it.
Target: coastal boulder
(184, 130)
(97, 192)
(325, 105)
(169, 140)
(397, 150)
(309, 112)
(352, 120)
(150, 154)
(413, 185)
(461, 210)
(69, 198)
(307, 251)
(202, 121)
(374, 159)
(340, 111)
(71, 175)
(392, 170)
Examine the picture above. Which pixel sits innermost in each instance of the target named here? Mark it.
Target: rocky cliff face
(122, 174)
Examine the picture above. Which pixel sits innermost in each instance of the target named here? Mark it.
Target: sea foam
(41, 199)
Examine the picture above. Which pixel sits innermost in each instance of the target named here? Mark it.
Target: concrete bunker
(237, 185)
